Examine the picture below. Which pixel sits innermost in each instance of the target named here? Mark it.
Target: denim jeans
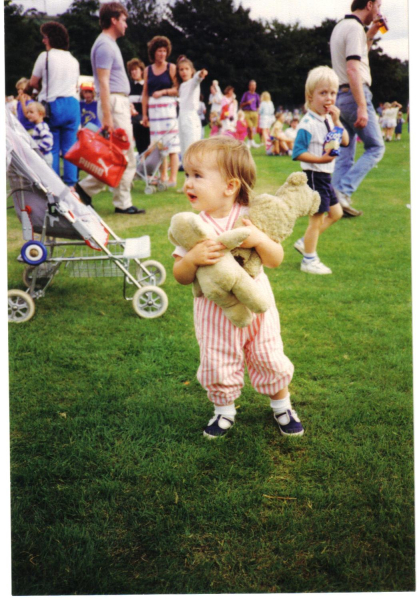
(64, 123)
(348, 174)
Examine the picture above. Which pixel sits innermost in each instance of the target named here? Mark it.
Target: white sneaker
(344, 199)
(254, 144)
(299, 245)
(315, 267)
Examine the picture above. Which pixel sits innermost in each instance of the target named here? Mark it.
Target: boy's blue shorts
(322, 183)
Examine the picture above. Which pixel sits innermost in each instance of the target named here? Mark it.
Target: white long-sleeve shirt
(189, 92)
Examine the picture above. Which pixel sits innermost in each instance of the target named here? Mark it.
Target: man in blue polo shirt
(349, 46)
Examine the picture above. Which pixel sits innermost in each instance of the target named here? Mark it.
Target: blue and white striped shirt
(43, 137)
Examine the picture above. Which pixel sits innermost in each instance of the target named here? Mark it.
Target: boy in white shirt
(318, 162)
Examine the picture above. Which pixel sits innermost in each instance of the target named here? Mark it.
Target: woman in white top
(55, 74)
(215, 97)
(189, 92)
(266, 115)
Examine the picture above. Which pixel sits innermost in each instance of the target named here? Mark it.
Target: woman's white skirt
(163, 122)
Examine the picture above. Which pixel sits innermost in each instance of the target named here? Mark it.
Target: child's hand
(334, 112)
(203, 73)
(256, 235)
(207, 252)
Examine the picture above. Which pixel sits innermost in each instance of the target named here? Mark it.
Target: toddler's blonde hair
(265, 97)
(316, 77)
(233, 159)
(39, 107)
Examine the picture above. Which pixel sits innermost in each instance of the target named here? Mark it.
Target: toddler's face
(32, 114)
(88, 95)
(206, 187)
(323, 97)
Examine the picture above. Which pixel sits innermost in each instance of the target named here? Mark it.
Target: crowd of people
(163, 101)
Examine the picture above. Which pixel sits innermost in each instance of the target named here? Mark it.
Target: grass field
(114, 488)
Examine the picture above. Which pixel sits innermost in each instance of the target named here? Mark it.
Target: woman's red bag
(98, 156)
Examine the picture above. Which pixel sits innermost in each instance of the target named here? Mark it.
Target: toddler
(322, 116)
(88, 106)
(219, 176)
(41, 133)
(399, 126)
(241, 127)
(291, 132)
(281, 145)
(215, 123)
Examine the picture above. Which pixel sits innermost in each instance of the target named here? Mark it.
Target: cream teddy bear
(276, 216)
(224, 282)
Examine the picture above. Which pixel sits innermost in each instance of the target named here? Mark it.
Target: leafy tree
(82, 23)
(216, 35)
(22, 43)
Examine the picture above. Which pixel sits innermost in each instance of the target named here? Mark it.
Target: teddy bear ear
(297, 179)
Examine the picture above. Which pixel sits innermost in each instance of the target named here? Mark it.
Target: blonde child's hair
(240, 115)
(387, 105)
(39, 107)
(280, 116)
(233, 159)
(316, 77)
(21, 83)
(265, 97)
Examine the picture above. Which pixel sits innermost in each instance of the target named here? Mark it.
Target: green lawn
(114, 488)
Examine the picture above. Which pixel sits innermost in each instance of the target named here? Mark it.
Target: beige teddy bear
(276, 216)
(224, 282)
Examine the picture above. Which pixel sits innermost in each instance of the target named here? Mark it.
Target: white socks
(279, 406)
(227, 411)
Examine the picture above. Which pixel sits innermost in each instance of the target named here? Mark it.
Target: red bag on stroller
(99, 156)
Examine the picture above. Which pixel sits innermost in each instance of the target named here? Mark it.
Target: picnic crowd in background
(163, 101)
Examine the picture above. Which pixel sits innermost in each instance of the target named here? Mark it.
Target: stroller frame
(149, 172)
(43, 261)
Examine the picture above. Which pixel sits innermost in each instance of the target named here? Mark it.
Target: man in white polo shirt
(349, 45)
(113, 86)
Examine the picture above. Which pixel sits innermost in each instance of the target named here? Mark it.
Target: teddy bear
(276, 216)
(224, 282)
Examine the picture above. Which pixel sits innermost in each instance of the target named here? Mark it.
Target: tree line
(216, 35)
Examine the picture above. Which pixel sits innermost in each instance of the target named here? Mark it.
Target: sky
(306, 12)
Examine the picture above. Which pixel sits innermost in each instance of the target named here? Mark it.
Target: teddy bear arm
(234, 237)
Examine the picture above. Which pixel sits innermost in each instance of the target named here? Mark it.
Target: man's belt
(120, 94)
(345, 87)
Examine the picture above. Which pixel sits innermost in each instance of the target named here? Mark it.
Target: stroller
(149, 163)
(86, 245)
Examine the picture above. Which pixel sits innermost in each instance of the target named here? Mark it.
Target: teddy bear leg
(239, 315)
(250, 294)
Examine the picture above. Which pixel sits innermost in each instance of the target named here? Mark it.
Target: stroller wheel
(150, 302)
(33, 252)
(151, 272)
(162, 187)
(149, 189)
(20, 306)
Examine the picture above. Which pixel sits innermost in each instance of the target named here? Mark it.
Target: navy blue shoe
(289, 423)
(218, 426)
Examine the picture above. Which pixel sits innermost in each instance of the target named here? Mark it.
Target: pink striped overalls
(225, 349)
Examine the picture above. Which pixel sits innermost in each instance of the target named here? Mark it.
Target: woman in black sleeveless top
(160, 104)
